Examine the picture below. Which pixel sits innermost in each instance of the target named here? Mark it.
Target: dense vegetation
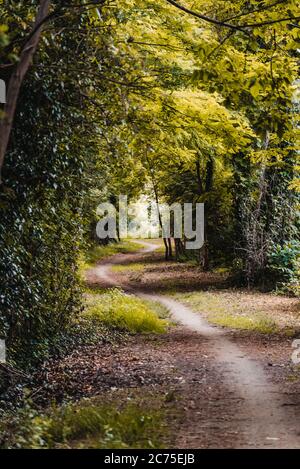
(134, 97)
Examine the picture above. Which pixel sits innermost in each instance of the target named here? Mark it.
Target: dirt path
(240, 407)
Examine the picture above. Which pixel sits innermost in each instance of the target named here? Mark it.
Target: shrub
(284, 264)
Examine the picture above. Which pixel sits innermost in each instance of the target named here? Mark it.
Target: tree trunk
(17, 77)
(199, 180)
(179, 248)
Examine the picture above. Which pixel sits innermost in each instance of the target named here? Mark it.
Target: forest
(171, 101)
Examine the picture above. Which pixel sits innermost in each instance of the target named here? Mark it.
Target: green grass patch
(161, 311)
(97, 252)
(257, 323)
(125, 312)
(88, 424)
(134, 267)
(229, 313)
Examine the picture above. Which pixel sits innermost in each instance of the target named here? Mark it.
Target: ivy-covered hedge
(41, 220)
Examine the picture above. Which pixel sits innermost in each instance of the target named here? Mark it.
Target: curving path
(263, 419)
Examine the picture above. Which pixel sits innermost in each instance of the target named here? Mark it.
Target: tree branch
(241, 27)
(270, 22)
(256, 10)
(206, 18)
(17, 78)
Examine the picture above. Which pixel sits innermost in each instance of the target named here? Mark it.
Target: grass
(98, 253)
(259, 323)
(161, 310)
(125, 312)
(134, 267)
(88, 424)
(228, 311)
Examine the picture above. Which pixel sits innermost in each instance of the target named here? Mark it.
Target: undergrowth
(125, 312)
(88, 424)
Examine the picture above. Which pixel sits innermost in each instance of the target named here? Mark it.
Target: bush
(119, 310)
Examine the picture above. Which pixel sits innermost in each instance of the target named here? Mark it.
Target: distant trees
(221, 128)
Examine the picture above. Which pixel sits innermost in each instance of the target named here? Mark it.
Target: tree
(127, 96)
